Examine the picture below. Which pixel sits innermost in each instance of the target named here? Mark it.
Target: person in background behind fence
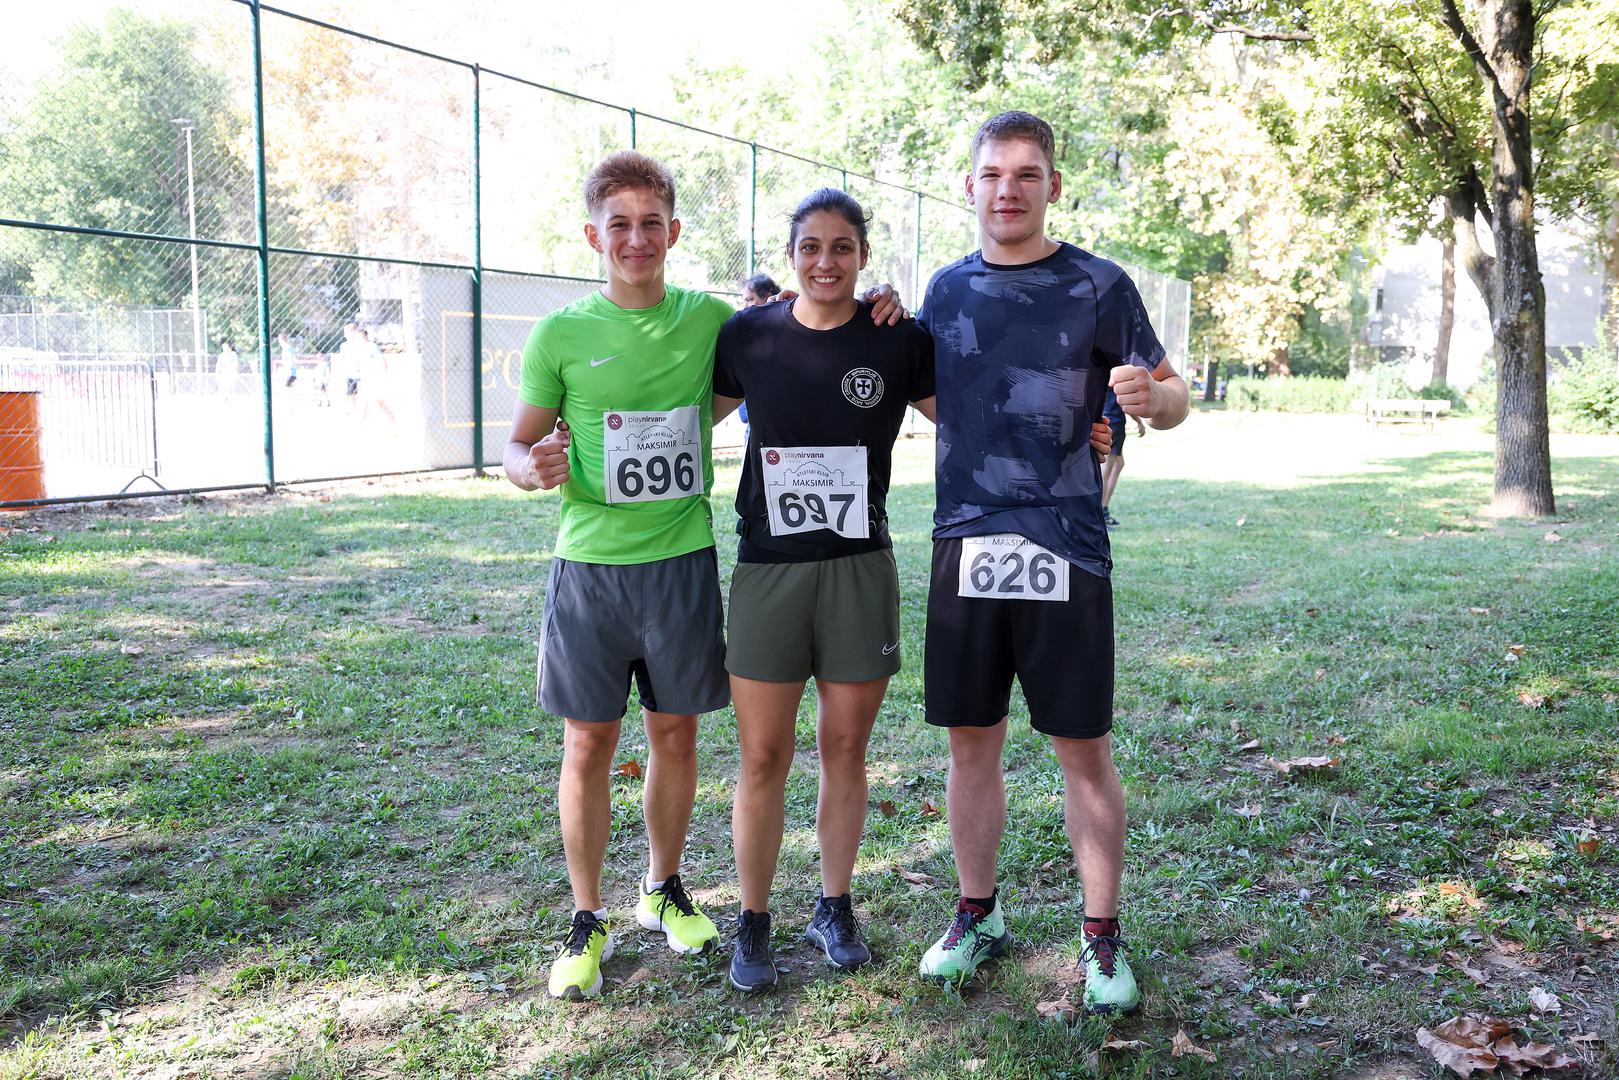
(349, 366)
(227, 371)
(1114, 465)
(289, 359)
(375, 377)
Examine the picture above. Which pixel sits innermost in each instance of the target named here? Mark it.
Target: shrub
(1295, 394)
(1585, 393)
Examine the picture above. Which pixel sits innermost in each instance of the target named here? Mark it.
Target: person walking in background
(227, 371)
(1114, 465)
(348, 369)
(375, 378)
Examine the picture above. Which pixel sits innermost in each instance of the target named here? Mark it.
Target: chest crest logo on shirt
(863, 387)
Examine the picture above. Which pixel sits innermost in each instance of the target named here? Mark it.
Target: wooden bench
(1405, 411)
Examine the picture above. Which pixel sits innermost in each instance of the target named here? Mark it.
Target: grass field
(275, 801)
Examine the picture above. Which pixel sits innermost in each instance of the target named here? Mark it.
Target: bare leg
(1111, 468)
(1093, 805)
(766, 713)
(843, 728)
(976, 799)
(671, 785)
(584, 804)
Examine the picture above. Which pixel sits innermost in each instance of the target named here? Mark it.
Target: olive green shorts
(836, 619)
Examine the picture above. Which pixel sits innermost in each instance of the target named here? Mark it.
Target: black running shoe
(1108, 519)
(753, 969)
(836, 933)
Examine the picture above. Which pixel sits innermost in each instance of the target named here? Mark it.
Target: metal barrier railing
(95, 415)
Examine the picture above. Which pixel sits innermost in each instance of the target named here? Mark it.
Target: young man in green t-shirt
(634, 586)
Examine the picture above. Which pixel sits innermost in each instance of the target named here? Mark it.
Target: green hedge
(1294, 394)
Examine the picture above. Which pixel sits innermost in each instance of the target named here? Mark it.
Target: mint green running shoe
(974, 936)
(1110, 985)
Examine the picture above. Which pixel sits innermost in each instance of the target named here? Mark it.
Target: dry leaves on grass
(1303, 764)
(1532, 699)
(1113, 1042)
(887, 808)
(1062, 1009)
(631, 768)
(1553, 537)
(929, 808)
(1469, 1044)
(1183, 1046)
(1251, 744)
(1249, 811)
(1544, 1001)
(915, 877)
(1587, 846)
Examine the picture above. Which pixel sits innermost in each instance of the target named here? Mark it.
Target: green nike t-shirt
(634, 386)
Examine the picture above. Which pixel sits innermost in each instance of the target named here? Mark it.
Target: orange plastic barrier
(22, 465)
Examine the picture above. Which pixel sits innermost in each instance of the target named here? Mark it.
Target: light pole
(188, 127)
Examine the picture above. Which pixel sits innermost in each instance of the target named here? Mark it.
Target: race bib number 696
(652, 455)
(1011, 567)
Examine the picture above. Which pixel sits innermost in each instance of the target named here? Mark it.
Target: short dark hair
(761, 285)
(628, 170)
(1018, 125)
(833, 200)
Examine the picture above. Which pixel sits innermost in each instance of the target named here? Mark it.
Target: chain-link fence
(241, 247)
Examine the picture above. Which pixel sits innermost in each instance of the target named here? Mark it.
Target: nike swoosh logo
(887, 649)
(603, 360)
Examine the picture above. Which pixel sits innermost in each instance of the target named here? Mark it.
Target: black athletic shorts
(1061, 652)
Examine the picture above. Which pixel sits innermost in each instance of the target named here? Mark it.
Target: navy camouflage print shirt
(1022, 355)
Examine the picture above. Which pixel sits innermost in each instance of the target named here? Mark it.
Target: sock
(600, 913)
(648, 885)
(985, 902)
(1095, 927)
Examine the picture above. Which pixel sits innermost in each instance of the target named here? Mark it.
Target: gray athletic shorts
(836, 619)
(659, 622)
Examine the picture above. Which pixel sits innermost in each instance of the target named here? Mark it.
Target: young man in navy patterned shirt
(1029, 335)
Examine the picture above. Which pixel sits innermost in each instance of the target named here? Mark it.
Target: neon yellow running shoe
(670, 910)
(1110, 985)
(576, 973)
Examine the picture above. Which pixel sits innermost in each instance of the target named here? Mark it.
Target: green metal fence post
(477, 280)
(261, 212)
(845, 174)
(916, 272)
(753, 205)
(632, 129)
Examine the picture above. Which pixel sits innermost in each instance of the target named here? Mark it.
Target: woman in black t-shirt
(815, 590)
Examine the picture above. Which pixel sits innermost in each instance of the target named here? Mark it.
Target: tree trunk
(1447, 310)
(1610, 251)
(1523, 476)
(1211, 379)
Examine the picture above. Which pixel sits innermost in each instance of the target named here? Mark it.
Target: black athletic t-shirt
(848, 386)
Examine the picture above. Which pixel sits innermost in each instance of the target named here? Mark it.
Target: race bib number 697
(1011, 567)
(652, 455)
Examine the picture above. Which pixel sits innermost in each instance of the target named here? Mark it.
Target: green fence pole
(261, 212)
(632, 129)
(753, 205)
(916, 272)
(845, 174)
(477, 281)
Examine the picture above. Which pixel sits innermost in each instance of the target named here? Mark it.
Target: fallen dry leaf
(1270, 999)
(1532, 1055)
(1588, 1037)
(1479, 610)
(1113, 1042)
(1593, 927)
(1251, 744)
(887, 808)
(1463, 1056)
(131, 650)
(1553, 537)
(1587, 846)
(1475, 974)
(929, 808)
(1181, 1046)
(1543, 1000)
(1532, 699)
(1337, 740)
(1057, 1010)
(972, 1065)
(1462, 892)
(915, 877)
(1302, 765)
(629, 768)
(1515, 650)
(1304, 1002)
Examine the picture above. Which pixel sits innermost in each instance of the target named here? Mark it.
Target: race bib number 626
(652, 455)
(1011, 567)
